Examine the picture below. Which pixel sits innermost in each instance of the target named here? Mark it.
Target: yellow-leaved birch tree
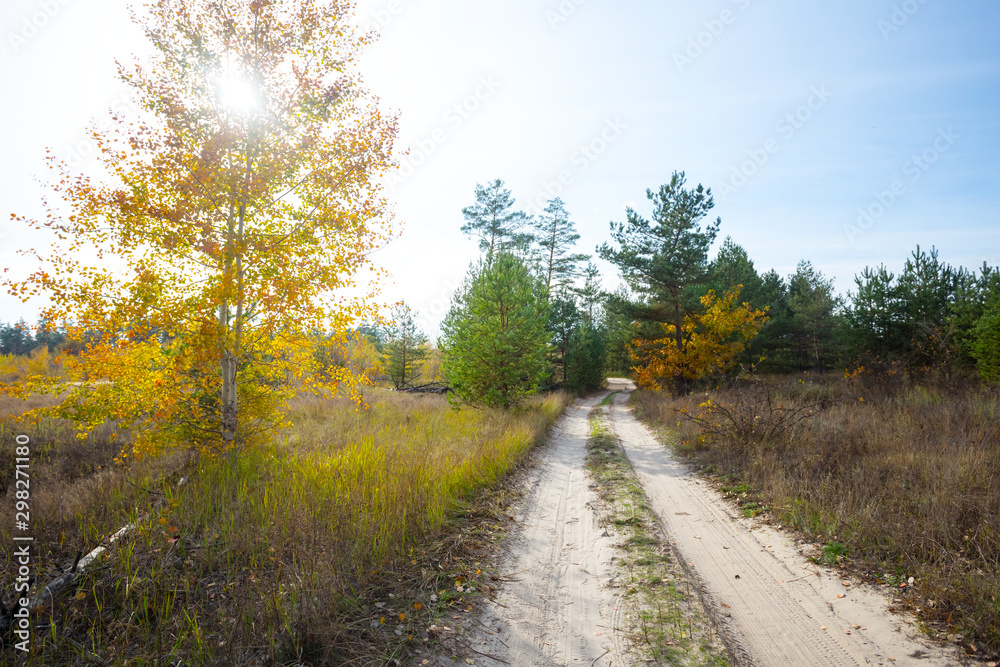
(233, 218)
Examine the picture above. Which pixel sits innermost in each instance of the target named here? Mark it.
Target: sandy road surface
(775, 607)
(555, 607)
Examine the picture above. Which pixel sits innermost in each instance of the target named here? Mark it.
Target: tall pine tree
(494, 221)
(494, 341)
(663, 259)
(590, 293)
(556, 235)
(813, 306)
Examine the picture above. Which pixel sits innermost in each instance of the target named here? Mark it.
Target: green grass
(833, 553)
(668, 623)
(610, 397)
(323, 547)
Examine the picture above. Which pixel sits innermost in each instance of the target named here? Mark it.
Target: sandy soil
(555, 607)
(774, 606)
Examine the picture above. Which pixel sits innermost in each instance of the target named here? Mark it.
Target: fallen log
(63, 581)
(429, 388)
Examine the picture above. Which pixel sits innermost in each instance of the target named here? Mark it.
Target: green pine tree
(493, 220)
(664, 260)
(585, 371)
(813, 306)
(494, 339)
(986, 343)
(405, 348)
(556, 235)
(590, 294)
(564, 317)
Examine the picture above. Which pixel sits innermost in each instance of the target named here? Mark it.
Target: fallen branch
(811, 573)
(63, 580)
(429, 388)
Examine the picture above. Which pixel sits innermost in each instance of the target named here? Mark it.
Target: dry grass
(11, 407)
(277, 557)
(77, 495)
(907, 484)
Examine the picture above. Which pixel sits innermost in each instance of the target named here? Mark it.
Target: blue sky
(799, 116)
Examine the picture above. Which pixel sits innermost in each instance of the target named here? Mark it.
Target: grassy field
(332, 545)
(895, 483)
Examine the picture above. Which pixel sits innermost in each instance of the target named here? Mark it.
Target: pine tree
(986, 343)
(770, 349)
(664, 259)
(564, 317)
(405, 348)
(493, 220)
(494, 341)
(619, 332)
(910, 319)
(556, 235)
(928, 288)
(587, 359)
(16, 338)
(972, 299)
(48, 334)
(732, 266)
(813, 306)
(590, 293)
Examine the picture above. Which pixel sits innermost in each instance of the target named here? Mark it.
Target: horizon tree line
(535, 306)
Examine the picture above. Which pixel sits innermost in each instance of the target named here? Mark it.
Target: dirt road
(771, 604)
(555, 609)
(775, 606)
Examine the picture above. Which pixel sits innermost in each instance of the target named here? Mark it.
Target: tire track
(554, 608)
(776, 607)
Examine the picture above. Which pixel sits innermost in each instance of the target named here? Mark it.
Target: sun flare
(238, 94)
